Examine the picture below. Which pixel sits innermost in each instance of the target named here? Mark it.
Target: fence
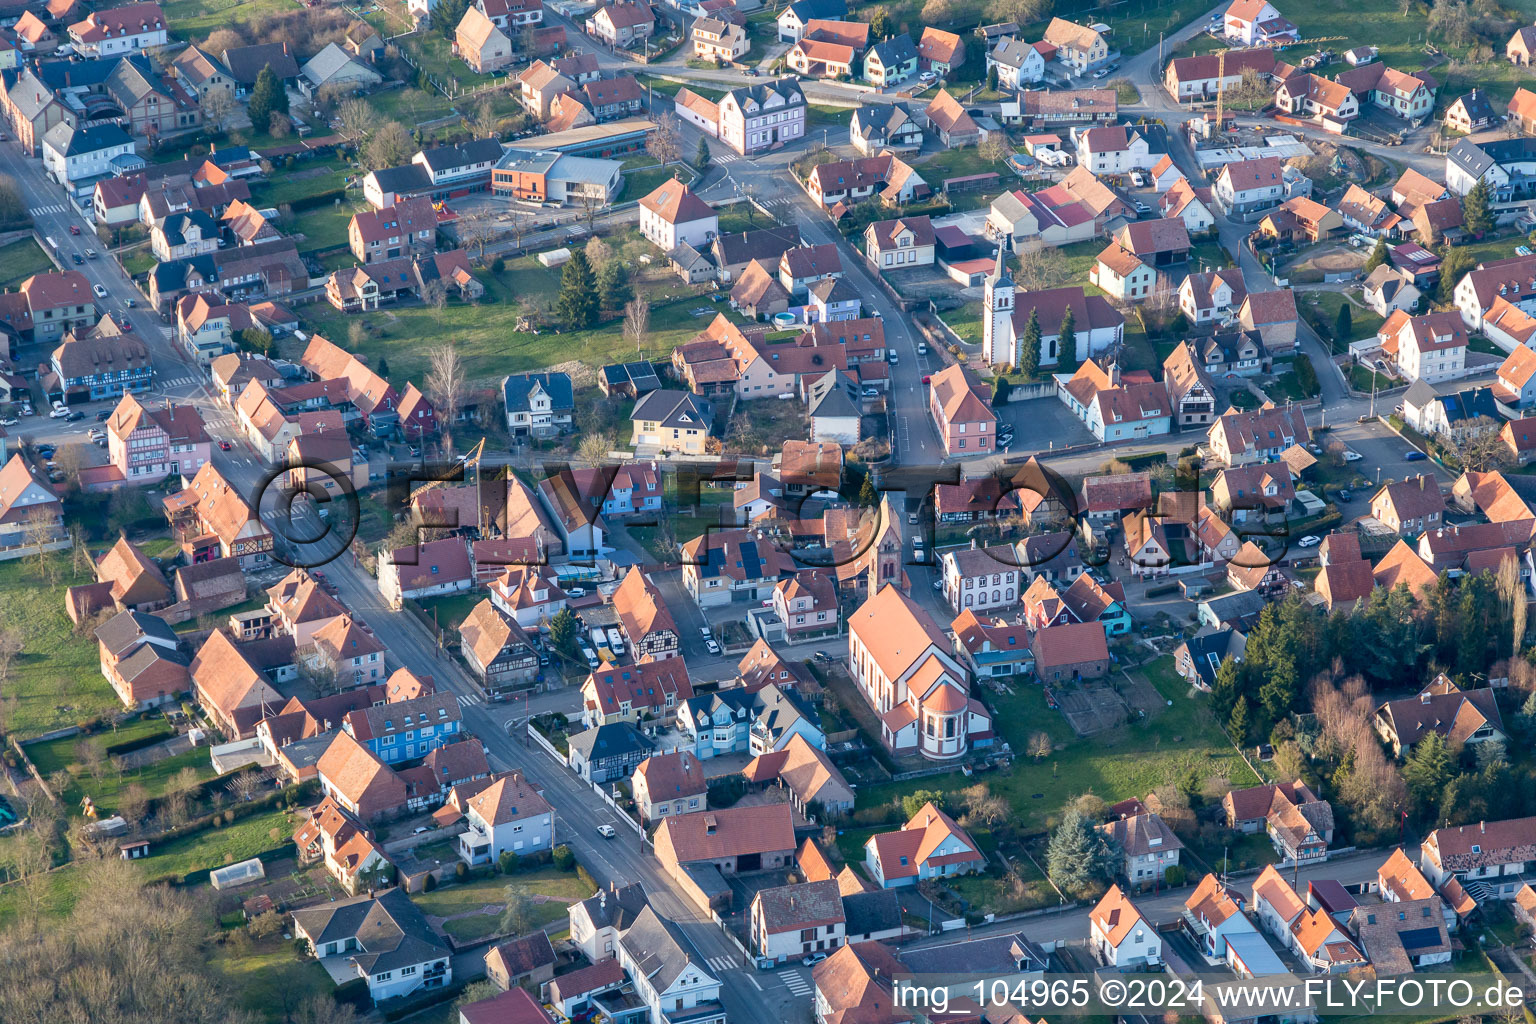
(37, 776)
(608, 799)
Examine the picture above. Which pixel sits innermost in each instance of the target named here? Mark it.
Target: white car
(101, 292)
(927, 76)
(576, 592)
(1352, 456)
(606, 831)
(9, 421)
(58, 412)
(711, 646)
(1311, 540)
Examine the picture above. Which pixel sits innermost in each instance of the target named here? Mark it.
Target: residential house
(1080, 48)
(507, 816)
(1190, 391)
(1246, 189)
(719, 40)
(141, 659)
(1124, 277)
(951, 123)
(72, 155)
(1071, 651)
(1212, 295)
(426, 569)
(608, 752)
(384, 939)
(145, 444)
(210, 519)
(899, 244)
(1458, 716)
(671, 215)
(722, 567)
(930, 845)
(349, 850)
(1116, 404)
(497, 650)
(1149, 846)
(1488, 858)
(334, 66)
(891, 61)
(1259, 435)
(523, 963)
(1199, 658)
(132, 28)
(794, 19)
(403, 730)
(672, 421)
(405, 229)
(1410, 507)
(1386, 293)
(1197, 78)
(1119, 936)
(644, 618)
(1018, 63)
(983, 578)
(962, 412)
(624, 24)
(1431, 347)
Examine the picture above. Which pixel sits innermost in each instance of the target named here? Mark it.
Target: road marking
(754, 983)
(38, 211)
(468, 700)
(176, 382)
(722, 963)
(797, 983)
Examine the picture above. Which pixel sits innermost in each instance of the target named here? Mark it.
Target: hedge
(301, 793)
(407, 1005)
(326, 198)
(139, 743)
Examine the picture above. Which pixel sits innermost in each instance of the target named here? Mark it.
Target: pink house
(962, 413)
(806, 603)
(147, 443)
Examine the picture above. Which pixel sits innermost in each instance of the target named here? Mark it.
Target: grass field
(56, 679)
(484, 898)
(486, 336)
(326, 228)
(106, 791)
(270, 977)
(1168, 745)
(20, 260)
(452, 610)
(641, 181)
(194, 19)
(308, 178)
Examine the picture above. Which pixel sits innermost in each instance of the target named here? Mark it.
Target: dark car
(1346, 496)
(750, 72)
(104, 415)
(124, 323)
(74, 229)
(79, 260)
(74, 417)
(1414, 456)
(225, 446)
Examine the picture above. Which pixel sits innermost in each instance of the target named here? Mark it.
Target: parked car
(74, 417)
(1311, 540)
(606, 831)
(1346, 496)
(1414, 456)
(79, 260)
(1352, 456)
(814, 959)
(58, 412)
(712, 646)
(576, 592)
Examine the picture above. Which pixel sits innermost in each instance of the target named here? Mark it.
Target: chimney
(1482, 827)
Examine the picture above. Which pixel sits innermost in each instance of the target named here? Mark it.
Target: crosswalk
(724, 158)
(168, 332)
(38, 211)
(178, 382)
(721, 963)
(468, 700)
(797, 983)
(782, 202)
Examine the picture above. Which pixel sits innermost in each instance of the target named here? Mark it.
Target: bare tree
(317, 666)
(133, 803)
(594, 448)
(598, 252)
(1478, 447)
(475, 231)
(995, 148)
(483, 123)
(435, 294)
(637, 321)
(217, 106)
(390, 146)
(1512, 593)
(665, 141)
(279, 125)
(90, 756)
(70, 459)
(358, 118)
(592, 204)
(222, 39)
(445, 386)
(41, 530)
(1040, 745)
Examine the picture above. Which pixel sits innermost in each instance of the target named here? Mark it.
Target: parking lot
(1042, 423)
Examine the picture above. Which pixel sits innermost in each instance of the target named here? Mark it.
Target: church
(1096, 325)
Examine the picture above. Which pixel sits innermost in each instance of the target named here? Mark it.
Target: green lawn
(959, 163)
(484, 898)
(1325, 306)
(56, 679)
(308, 178)
(324, 229)
(966, 321)
(641, 181)
(271, 976)
(452, 610)
(486, 335)
(194, 19)
(106, 791)
(20, 260)
(215, 847)
(411, 106)
(1170, 744)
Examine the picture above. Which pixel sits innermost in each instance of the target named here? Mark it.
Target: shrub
(586, 877)
(461, 871)
(498, 265)
(507, 862)
(429, 883)
(564, 859)
(1175, 876)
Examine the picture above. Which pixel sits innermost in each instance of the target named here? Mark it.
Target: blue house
(736, 721)
(1090, 601)
(100, 363)
(406, 729)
